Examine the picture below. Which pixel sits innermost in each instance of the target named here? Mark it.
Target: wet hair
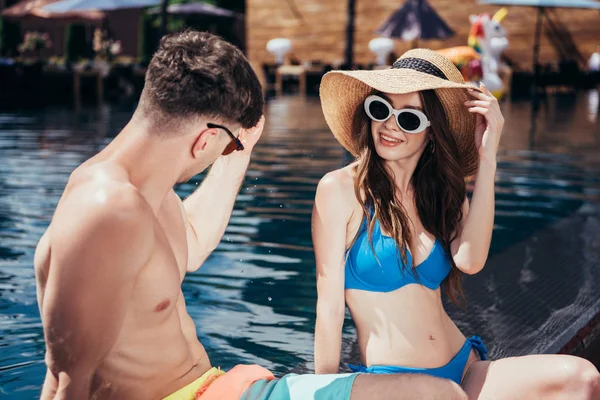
(197, 74)
(438, 184)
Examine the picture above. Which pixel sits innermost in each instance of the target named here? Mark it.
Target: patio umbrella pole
(536, 57)
(163, 17)
(349, 54)
(415, 42)
(536, 44)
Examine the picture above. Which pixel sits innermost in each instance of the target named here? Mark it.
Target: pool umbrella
(34, 9)
(416, 19)
(199, 9)
(102, 5)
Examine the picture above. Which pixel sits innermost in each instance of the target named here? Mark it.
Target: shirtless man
(110, 266)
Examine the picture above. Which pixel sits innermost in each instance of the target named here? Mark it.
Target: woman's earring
(432, 146)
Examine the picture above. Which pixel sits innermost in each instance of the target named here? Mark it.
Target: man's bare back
(156, 350)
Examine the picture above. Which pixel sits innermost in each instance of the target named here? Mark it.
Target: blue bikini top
(363, 272)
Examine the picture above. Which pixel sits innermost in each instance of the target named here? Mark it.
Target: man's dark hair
(195, 74)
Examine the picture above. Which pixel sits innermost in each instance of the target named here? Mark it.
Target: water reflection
(254, 299)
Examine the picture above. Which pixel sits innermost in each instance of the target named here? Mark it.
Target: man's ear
(203, 139)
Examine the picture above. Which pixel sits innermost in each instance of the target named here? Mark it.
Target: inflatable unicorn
(480, 61)
(488, 38)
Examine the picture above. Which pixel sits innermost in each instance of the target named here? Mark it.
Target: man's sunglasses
(235, 143)
(408, 119)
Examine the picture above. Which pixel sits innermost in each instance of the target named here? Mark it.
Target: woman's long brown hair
(438, 184)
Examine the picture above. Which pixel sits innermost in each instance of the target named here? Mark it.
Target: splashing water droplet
(269, 298)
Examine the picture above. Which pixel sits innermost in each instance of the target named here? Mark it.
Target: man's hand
(249, 137)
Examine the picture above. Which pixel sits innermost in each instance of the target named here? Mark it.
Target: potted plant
(34, 43)
(106, 50)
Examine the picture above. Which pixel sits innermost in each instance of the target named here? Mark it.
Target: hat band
(420, 65)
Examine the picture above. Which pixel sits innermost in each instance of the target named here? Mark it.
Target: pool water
(254, 299)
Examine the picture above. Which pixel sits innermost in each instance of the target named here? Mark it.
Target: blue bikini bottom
(453, 370)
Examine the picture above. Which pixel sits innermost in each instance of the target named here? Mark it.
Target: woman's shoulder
(336, 197)
(339, 181)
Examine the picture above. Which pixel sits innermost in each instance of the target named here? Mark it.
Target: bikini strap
(360, 368)
(479, 346)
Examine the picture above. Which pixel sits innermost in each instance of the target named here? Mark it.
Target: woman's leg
(405, 387)
(533, 377)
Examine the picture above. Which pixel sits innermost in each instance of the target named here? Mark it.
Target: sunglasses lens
(409, 121)
(231, 147)
(379, 110)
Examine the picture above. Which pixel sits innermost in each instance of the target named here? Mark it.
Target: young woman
(395, 225)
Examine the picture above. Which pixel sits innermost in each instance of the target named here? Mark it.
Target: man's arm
(209, 208)
(100, 240)
(207, 211)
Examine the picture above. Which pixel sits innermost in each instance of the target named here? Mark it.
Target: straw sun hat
(419, 69)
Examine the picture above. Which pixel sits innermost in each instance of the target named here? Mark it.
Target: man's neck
(153, 165)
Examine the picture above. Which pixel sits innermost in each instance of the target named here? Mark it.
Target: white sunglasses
(408, 119)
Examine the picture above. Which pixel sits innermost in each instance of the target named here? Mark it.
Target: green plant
(146, 42)
(104, 47)
(9, 37)
(34, 42)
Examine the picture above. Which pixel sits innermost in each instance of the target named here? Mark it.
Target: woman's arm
(470, 249)
(330, 217)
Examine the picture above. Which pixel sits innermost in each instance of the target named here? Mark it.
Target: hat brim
(342, 92)
(395, 81)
